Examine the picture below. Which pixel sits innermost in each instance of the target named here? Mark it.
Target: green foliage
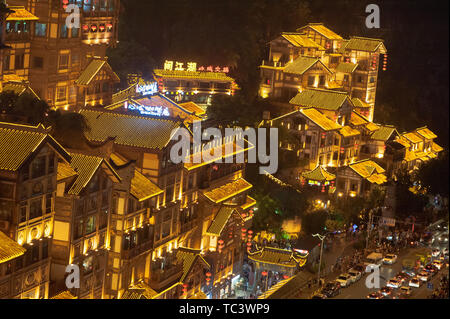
(68, 128)
(314, 222)
(24, 108)
(434, 174)
(408, 203)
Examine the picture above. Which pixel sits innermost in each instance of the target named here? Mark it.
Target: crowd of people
(442, 291)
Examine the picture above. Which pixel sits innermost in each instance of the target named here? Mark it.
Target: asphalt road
(359, 289)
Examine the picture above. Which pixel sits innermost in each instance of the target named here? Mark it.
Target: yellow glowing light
(168, 65)
(195, 92)
(380, 155)
(340, 194)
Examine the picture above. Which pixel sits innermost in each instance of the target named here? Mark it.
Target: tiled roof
(212, 76)
(359, 103)
(301, 40)
(86, 166)
(276, 256)
(224, 192)
(436, 148)
(319, 174)
(139, 291)
(9, 249)
(302, 64)
(357, 119)
(193, 108)
(346, 67)
(365, 44)
(129, 130)
(142, 188)
(189, 257)
(20, 14)
(383, 133)
(220, 220)
(347, 131)
(91, 71)
(287, 288)
(321, 99)
(18, 142)
(403, 141)
(426, 133)
(412, 137)
(321, 120)
(323, 30)
(372, 127)
(65, 170)
(369, 170)
(19, 88)
(249, 202)
(64, 295)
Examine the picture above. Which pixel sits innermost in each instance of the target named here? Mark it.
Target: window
(311, 80)
(36, 208)
(6, 62)
(78, 228)
(322, 80)
(74, 33)
(63, 62)
(51, 164)
(19, 61)
(346, 78)
(106, 87)
(63, 34)
(40, 29)
(38, 62)
(75, 59)
(6, 190)
(61, 94)
(48, 203)
(308, 139)
(23, 212)
(38, 167)
(90, 225)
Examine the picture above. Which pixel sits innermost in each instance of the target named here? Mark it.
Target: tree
(433, 175)
(314, 222)
(24, 108)
(407, 202)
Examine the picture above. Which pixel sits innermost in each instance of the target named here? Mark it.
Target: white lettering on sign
(147, 89)
(148, 110)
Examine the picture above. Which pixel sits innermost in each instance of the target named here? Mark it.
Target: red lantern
(250, 232)
(220, 242)
(285, 276)
(249, 244)
(264, 273)
(244, 230)
(208, 274)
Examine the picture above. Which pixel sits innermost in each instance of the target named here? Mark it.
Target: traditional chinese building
(193, 84)
(316, 57)
(51, 54)
(28, 183)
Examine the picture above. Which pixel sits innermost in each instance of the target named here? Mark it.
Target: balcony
(163, 277)
(138, 250)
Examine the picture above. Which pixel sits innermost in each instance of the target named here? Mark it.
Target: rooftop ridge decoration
(319, 174)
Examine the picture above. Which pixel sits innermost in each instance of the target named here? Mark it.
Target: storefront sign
(148, 110)
(147, 88)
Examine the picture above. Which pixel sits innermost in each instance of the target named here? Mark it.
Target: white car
(436, 252)
(394, 283)
(390, 259)
(344, 280)
(415, 282)
(354, 275)
(424, 276)
(438, 264)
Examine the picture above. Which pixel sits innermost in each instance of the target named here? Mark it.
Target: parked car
(443, 239)
(319, 296)
(394, 283)
(402, 276)
(354, 275)
(331, 289)
(345, 280)
(409, 272)
(415, 282)
(361, 268)
(430, 269)
(390, 259)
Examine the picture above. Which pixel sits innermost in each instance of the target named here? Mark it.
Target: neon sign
(148, 110)
(192, 67)
(147, 89)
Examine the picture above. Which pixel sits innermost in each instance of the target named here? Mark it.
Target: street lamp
(321, 237)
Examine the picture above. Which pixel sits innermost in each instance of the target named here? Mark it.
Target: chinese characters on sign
(192, 67)
(147, 88)
(148, 110)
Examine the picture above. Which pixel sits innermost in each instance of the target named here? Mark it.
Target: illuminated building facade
(28, 179)
(316, 57)
(193, 84)
(56, 56)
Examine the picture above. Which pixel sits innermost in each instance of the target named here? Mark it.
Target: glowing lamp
(264, 273)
